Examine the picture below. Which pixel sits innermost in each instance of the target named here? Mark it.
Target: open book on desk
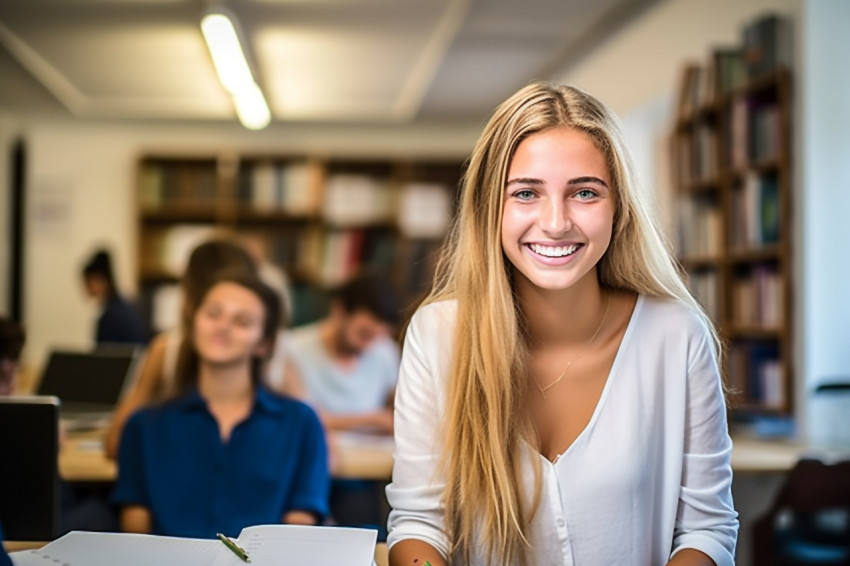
(266, 545)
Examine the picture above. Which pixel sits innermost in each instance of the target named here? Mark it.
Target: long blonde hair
(485, 503)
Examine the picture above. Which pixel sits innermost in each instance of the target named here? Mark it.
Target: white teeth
(553, 251)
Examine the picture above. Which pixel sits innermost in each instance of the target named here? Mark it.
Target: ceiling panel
(318, 60)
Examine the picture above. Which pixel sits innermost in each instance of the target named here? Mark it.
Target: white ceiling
(327, 61)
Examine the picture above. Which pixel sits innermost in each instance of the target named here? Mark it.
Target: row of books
(758, 298)
(756, 374)
(755, 215)
(754, 133)
(700, 227)
(292, 187)
(300, 189)
(697, 155)
(178, 184)
(765, 45)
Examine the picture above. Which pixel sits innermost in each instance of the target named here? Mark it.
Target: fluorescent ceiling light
(233, 69)
(251, 108)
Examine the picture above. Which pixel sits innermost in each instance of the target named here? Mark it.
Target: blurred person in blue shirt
(226, 453)
(119, 321)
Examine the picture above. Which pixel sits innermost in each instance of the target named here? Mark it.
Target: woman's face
(228, 326)
(558, 211)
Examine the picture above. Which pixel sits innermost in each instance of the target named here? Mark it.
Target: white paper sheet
(295, 545)
(267, 545)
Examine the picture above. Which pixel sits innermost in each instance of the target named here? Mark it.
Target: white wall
(81, 194)
(642, 63)
(823, 198)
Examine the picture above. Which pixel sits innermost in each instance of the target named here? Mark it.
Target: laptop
(29, 475)
(88, 384)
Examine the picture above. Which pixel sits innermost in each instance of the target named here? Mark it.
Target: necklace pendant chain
(543, 390)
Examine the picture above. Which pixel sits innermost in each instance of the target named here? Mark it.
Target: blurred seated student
(347, 363)
(226, 453)
(119, 321)
(156, 377)
(271, 274)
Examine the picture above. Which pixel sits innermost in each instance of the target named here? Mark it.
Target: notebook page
(110, 549)
(296, 545)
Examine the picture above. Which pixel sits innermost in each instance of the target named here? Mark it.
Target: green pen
(228, 542)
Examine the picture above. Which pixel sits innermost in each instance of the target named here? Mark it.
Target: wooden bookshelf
(322, 219)
(732, 172)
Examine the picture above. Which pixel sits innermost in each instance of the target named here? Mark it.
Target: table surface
(364, 456)
(352, 455)
(757, 455)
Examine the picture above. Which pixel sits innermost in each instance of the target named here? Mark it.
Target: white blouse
(648, 476)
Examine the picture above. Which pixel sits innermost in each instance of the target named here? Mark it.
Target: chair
(809, 521)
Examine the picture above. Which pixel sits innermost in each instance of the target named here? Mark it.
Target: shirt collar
(262, 399)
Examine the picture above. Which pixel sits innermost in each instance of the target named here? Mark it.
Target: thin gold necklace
(543, 390)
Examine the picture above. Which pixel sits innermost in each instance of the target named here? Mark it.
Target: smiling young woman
(559, 399)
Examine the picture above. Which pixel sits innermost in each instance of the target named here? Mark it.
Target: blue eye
(586, 194)
(524, 194)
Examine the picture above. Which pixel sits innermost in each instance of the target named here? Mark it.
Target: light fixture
(233, 69)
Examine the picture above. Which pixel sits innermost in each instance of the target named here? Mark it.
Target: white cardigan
(648, 476)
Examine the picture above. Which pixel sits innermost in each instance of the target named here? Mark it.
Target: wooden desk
(361, 456)
(82, 458)
(753, 455)
(353, 456)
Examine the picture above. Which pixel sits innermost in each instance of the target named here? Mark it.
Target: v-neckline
(605, 389)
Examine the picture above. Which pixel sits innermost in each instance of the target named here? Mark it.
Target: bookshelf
(320, 219)
(732, 173)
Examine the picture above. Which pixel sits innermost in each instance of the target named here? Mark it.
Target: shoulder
(430, 337)
(287, 407)
(666, 315)
(143, 419)
(438, 316)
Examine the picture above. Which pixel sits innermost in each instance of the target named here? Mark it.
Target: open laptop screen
(86, 381)
(29, 488)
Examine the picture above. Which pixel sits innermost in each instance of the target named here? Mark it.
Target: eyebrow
(576, 181)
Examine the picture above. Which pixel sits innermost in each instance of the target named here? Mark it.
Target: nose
(555, 216)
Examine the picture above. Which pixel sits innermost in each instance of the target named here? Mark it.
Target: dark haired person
(225, 453)
(346, 366)
(119, 321)
(347, 363)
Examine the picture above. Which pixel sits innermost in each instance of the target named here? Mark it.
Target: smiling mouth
(554, 251)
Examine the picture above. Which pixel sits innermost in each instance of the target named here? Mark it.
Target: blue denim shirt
(173, 461)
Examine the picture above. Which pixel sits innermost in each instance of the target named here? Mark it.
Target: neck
(329, 332)
(562, 317)
(225, 383)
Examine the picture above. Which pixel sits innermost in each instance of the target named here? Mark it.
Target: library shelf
(730, 153)
(320, 219)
